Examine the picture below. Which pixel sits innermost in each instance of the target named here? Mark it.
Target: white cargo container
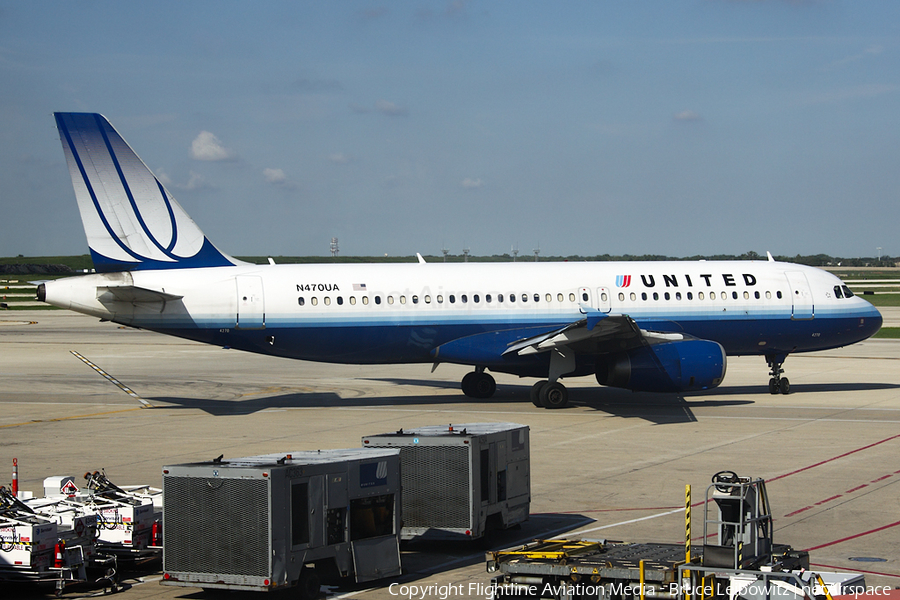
(461, 481)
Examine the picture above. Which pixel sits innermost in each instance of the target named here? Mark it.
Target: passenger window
(712, 295)
(452, 299)
(571, 297)
(402, 299)
(667, 296)
(559, 297)
(512, 297)
(604, 297)
(353, 300)
(377, 299)
(327, 301)
(524, 297)
(690, 295)
(301, 301)
(314, 301)
(440, 299)
(463, 298)
(633, 296)
(756, 294)
(415, 299)
(487, 298)
(549, 297)
(768, 295)
(340, 300)
(621, 297)
(643, 295)
(584, 297)
(678, 295)
(734, 295)
(778, 294)
(656, 295)
(476, 298)
(365, 299)
(700, 296)
(390, 299)
(746, 295)
(500, 298)
(427, 299)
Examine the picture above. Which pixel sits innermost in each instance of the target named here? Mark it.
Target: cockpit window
(837, 292)
(847, 292)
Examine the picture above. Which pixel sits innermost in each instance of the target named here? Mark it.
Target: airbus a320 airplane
(646, 326)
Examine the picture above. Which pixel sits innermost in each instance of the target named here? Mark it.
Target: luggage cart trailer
(270, 522)
(461, 481)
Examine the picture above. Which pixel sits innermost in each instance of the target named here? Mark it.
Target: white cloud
(390, 109)
(339, 158)
(688, 115)
(472, 184)
(163, 177)
(196, 181)
(275, 176)
(207, 146)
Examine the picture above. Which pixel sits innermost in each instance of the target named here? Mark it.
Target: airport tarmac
(612, 465)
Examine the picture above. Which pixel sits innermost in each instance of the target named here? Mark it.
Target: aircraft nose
(871, 322)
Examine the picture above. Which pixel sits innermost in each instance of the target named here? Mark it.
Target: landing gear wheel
(308, 585)
(536, 393)
(773, 386)
(784, 386)
(554, 395)
(478, 385)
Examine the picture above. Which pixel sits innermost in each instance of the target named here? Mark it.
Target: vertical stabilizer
(130, 220)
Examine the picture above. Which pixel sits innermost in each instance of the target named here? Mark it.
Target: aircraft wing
(133, 293)
(596, 333)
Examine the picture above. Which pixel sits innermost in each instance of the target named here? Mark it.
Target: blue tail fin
(130, 220)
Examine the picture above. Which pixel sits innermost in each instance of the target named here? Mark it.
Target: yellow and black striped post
(687, 539)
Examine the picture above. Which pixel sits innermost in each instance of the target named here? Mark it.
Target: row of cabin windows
(451, 298)
(700, 296)
(512, 298)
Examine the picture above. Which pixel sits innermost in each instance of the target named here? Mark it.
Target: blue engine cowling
(676, 366)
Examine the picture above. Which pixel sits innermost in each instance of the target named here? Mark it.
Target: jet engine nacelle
(676, 366)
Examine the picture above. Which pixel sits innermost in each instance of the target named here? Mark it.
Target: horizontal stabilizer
(134, 294)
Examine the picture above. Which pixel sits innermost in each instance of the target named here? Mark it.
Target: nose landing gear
(777, 383)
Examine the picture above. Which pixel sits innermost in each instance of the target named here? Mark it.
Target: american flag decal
(623, 280)
(359, 287)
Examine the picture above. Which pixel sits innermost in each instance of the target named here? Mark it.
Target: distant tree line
(69, 264)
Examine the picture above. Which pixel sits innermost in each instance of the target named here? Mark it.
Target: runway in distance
(644, 326)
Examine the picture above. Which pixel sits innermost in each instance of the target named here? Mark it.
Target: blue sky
(677, 128)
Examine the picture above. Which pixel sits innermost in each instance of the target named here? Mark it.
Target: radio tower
(334, 247)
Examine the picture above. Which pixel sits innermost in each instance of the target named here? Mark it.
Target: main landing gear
(777, 383)
(478, 384)
(549, 394)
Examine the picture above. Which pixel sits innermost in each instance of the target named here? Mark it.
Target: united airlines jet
(645, 326)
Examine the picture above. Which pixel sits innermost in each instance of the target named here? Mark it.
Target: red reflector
(166, 576)
(165, 471)
(266, 582)
(265, 474)
(468, 532)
